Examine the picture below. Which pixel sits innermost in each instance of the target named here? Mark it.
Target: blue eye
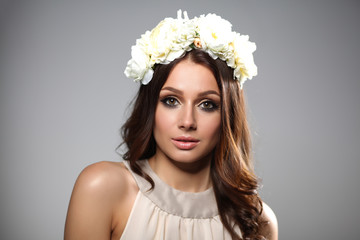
(170, 101)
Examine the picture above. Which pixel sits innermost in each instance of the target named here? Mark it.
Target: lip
(185, 143)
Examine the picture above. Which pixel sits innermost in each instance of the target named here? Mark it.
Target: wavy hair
(234, 182)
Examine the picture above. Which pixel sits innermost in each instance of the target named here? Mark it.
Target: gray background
(63, 98)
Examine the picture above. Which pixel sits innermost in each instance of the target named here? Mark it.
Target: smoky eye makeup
(209, 105)
(207, 101)
(169, 101)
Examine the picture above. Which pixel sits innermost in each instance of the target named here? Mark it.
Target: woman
(188, 172)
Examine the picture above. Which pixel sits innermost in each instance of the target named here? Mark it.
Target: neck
(186, 177)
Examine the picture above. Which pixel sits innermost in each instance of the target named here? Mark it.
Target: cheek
(163, 121)
(212, 128)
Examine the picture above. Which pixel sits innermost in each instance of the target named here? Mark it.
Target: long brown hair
(234, 182)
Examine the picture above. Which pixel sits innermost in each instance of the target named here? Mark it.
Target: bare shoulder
(100, 202)
(103, 176)
(270, 229)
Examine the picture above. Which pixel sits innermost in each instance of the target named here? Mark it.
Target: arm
(97, 194)
(269, 230)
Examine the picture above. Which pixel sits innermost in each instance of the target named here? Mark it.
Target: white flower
(184, 35)
(138, 66)
(171, 38)
(143, 42)
(215, 35)
(245, 67)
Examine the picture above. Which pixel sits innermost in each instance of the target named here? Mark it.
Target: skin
(101, 202)
(187, 110)
(104, 192)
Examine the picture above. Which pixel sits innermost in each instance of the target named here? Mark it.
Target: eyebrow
(181, 92)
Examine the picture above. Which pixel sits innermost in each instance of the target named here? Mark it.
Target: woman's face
(188, 114)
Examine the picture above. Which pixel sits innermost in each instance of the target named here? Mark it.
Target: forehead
(188, 75)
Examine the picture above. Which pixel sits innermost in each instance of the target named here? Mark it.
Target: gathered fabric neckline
(174, 201)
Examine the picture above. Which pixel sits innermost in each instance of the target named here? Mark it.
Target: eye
(170, 101)
(208, 106)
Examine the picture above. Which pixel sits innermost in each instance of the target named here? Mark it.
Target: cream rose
(138, 66)
(243, 56)
(215, 34)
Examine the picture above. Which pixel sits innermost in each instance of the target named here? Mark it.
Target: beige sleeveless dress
(169, 214)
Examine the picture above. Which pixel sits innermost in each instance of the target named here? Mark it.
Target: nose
(187, 119)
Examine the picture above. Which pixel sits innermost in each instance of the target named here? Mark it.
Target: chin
(189, 158)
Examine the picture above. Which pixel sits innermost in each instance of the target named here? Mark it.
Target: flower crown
(171, 38)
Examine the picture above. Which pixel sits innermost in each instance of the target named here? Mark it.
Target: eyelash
(166, 102)
(174, 102)
(213, 107)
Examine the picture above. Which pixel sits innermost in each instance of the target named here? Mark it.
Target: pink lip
(185, 143)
